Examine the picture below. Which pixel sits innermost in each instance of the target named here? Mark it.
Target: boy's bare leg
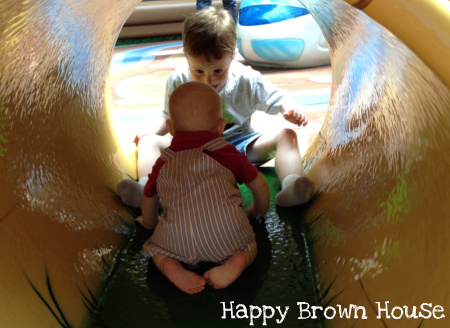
(224, 275)
(149, 149)
(296, 190)
(187, 281)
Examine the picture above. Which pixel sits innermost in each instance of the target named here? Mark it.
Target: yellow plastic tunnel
(379, 223)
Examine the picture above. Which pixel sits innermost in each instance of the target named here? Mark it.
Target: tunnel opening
(147, 296)
(70, 248)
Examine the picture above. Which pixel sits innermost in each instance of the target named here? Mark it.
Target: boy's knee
(287, 135)
(147, 140)
(153, 141)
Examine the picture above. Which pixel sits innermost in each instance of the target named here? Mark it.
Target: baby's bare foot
(224, 275)
(187, 281)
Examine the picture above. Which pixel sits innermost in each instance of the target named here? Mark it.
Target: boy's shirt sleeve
(169, 90)
(174, 80)
(262, 94)
(269, 97)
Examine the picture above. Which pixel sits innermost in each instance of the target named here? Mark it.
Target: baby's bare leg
(187, 281)
(224, 275)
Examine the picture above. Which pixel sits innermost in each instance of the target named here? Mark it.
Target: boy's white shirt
(245, 92)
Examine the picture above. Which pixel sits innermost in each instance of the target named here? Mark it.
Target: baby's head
(210, 33)
(195, 106)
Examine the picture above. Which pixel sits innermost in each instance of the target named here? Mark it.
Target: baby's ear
(169, 127)
(221, 125)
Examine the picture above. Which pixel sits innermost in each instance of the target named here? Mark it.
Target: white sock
(288, 180)
(295, 190)
(130, 192)
(143, 180)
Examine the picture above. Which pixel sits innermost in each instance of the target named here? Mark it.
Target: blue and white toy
(280, 34)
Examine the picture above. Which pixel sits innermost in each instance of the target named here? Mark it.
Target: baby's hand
(250, 211)
(295, 117)
(141, 222)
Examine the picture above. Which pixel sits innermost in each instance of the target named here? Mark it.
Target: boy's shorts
(241, 144)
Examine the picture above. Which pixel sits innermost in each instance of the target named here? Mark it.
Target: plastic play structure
(376, 232)
(160, 17)
(280, 34)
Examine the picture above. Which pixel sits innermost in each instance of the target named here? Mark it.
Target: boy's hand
(295, 117)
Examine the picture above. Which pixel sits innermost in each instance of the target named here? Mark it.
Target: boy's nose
(208, 78)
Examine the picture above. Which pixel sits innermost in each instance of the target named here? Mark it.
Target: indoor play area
(369, 250)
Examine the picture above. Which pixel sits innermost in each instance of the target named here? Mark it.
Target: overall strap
(167, 154)
(215, 144)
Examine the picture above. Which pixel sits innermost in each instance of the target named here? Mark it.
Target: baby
(196, 180)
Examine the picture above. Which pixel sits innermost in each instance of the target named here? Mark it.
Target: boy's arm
(149, 208)
(294, 116)
(160, 128)
(261, 196)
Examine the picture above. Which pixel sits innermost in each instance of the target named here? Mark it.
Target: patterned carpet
(139, 73)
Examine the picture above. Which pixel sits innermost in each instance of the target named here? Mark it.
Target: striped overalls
(204, 219)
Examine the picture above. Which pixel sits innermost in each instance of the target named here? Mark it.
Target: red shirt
(228, 156)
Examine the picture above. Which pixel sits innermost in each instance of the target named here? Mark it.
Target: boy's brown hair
(209, 32)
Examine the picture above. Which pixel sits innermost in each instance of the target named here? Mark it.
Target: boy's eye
(218, 71)
(199, 71)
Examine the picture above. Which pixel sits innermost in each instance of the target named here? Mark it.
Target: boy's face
(213, 72)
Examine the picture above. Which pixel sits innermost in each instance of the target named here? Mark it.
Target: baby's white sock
(295, 190)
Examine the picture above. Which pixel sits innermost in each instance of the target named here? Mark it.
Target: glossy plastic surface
(380, 223)
(381, 161)
(60, 222)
